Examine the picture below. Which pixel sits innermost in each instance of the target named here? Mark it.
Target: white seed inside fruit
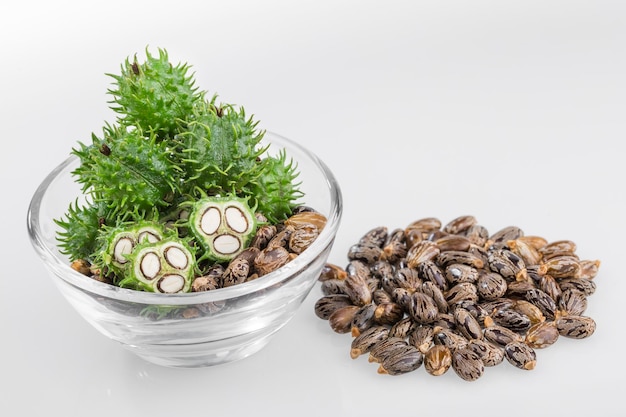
(235, 219)
(150, 265)
(210, 221)
(176, 257)
(226, 244)
(123, 247)
(171, 283)
(148, 236)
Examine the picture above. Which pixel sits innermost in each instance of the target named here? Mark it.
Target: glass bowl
(191, 329)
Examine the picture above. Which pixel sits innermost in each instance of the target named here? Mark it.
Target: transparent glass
(233, 323)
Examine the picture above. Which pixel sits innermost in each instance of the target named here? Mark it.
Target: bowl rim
(63, 270)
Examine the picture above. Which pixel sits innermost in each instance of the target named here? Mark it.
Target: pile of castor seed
(456, 296)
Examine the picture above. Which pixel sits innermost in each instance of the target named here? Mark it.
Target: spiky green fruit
(219, 149)
(276, 190)
(155, 95)
(128, 170)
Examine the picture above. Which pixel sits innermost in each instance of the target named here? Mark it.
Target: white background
(512, 111)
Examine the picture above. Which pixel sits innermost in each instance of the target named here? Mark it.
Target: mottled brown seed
(365, 252)
(475, 309)
(520, 355)
(341, 319)
(536, 242)
(499, 238)
(395, 247)
(501, 336)
(453, 242)
(81, 266)
(461, 292)
(422, 308)
(402, 328)
(381, 269)
(429, 271)
(436, 294)
(456, 273)
(467, 324)
(519, 288)
(529, 310)
(437, 360)
(427, 224)
(407, 278)
(522, 248)
(367, 339)
(421, 252)
(572, 302)
(270, 259)
(490, 285)
(413, 236)
(511, 319)
(550, 286)
(385, 347)
(507, 264)
(543, 301)
(421, 337)
(459, 257)
(327, 305)
(263, 236)
(445, 321)
(332, 271)
(401, 361)
(576, 327)
(449, 338)
(281, 238)
(388, 313)
(333, 286)
(589, 269)
(477, 235)
(402, 297)
(307, 217)
(467, 364)
(236, 272)
(363, 319)
(204, 283)
(586, 286)
(356, 287)
(563, 266)
(490, 354)
(542, 335)
(376, 237)
(501, 303)
(380, 296)
(303, 237)
(557, 248)
(459, 224)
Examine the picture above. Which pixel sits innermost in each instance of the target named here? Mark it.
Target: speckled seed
(401, 361)
(520, 355)
(355, 286)
(236, 272)
(422, 308)
(204, 283)
(572, 302)
(501, 303)
(263, 236)
(543, 301)
(421, 252)
(376, 237)
(501, 336)
(341, 319)
(576, 327)
(467, 364)
(365, 252)
(426, 225)
(499, 238)
(395, 247)
(270, 259)
(529, 310)
(550, 286)
(381, 269)
(461, 292)
(589, 269)
(536, 242)
(327, 305)
(446, 321)
(381, 349)
(388, 313)
(522, 248)
(459, 224)
(490, 354)
(402, 328)
(542, 335)
(583, 285)
(453, 242)
(459, 257)
(507, 264)
(421, 337)
(437, 360)
(402, 297)
(490, 285)
(510, 319)
(475, 309)
(436, 294)
(407, 278)
(467, 325)
(429, 271)
(303, 237)
(304, 217)
(367, 339)
(281, 238)
(477, 235)
(333, 286)
(363, 319)
(557, 248)
(563, 266)
(456, 273)
(448, 338)
(332, 271)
